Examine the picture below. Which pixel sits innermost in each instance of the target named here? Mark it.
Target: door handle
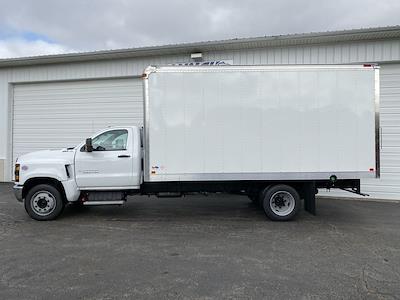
(123, 155)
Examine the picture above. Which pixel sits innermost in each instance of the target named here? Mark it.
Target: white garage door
(62, 114)
(389, 184)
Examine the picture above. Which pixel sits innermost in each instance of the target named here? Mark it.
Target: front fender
(71, 189)
(68, 188)
(56, 171)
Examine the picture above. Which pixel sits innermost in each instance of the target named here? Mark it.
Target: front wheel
(280, 202)
(44, 202)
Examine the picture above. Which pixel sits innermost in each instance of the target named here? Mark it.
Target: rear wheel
(280, 202)
(44, 202)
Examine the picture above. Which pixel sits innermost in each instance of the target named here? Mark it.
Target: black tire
(280, 202)
(44, 202)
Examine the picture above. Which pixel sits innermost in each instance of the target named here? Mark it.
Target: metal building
(56, 101)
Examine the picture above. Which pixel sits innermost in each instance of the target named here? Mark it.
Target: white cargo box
(261, 122)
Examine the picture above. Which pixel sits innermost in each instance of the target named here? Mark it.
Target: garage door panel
(383, 189)
(54, 115)
(78, 95)
(390, 120)
(68, 123)
(390, 91)
(82, 99)
(71, 92)
(60, 101)
(391, 140)
(390, 161)
(388, 186)
(391, 102)
(391, 110)
(63, 109)
(77, 85)
(62, 114)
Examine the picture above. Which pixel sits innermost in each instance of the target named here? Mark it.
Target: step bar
(95, 203)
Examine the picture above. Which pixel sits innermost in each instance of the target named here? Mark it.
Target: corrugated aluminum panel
(388, 186)
(62, 114)
(342, 53)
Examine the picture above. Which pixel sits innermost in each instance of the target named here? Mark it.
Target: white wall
(349, 52)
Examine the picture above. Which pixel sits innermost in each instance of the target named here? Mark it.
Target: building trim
(8, 165)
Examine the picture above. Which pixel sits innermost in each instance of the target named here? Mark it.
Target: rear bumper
(18, 192)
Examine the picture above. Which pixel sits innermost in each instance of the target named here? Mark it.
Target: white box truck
(274, 133)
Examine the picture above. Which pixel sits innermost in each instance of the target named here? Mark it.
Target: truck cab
(100, 170)
(113, 162)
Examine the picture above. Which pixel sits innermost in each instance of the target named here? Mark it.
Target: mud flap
(309, 197)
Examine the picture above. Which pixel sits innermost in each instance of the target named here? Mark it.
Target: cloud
(21, 47)
(104, 24)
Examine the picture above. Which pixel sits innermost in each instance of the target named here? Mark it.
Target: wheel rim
(43, 203)
(282, 203)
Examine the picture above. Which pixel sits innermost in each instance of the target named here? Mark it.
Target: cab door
(109, 165)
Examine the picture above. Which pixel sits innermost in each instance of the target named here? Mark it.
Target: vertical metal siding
(356, 52)
(389, 184)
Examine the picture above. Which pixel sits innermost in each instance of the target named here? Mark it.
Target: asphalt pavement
(198, 247)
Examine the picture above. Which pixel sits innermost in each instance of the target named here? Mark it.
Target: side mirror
(88, 145)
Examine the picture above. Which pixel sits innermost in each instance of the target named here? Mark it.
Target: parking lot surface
(213, 247)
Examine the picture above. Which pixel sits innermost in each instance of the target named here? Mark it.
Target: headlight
(16, 172)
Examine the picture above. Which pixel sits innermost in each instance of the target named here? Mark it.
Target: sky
(40, 27)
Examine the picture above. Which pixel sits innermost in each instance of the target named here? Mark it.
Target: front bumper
(18, 192)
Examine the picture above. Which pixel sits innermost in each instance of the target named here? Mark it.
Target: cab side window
(112, 140)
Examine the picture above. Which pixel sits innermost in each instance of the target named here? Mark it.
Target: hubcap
(43, 203)
(282, 203)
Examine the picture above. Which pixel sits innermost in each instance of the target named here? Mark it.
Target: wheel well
(298, 186)
(43, 180)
